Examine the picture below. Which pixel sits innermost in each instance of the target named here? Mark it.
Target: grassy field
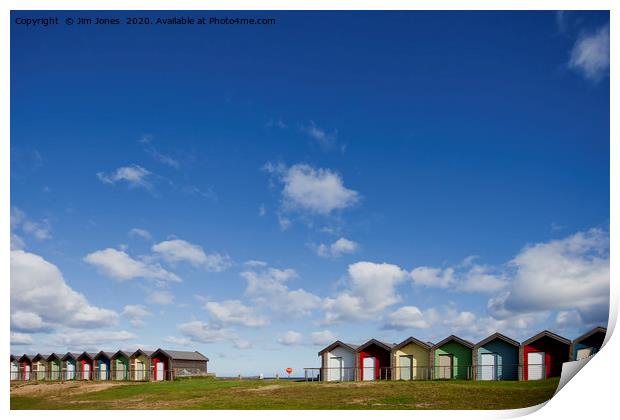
(234, 394)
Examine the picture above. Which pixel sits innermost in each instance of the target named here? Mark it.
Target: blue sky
(255, 192)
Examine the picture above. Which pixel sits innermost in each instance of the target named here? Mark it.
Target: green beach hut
(53, 366)
(120, 366)
(451, 358)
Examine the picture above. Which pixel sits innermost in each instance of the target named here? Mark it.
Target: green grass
(231, 394)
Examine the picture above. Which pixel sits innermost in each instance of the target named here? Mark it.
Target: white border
(593, 392)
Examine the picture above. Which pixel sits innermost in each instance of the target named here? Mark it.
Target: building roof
(455, 339)
(147, 353)
(590, 334)
(496, 336)
(414, 341)
(549, 334)
(40, 356)
(85, 355)
(382, 344)
(183, 355)
(53, 356)
(69, 355)
(121, 353)
(338, 343)
(28, 357)
(104, 354)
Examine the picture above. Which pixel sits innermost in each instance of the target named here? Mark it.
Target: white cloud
(201, 332)
(565, 274)
(590, 54)
(433, 277)
(337, 249)
(262, 210)
(255, 263)
(20, 339)
(178, 250)
(268, 288)
(135, 311)
(40, 297)
(233, 312)
(140, 233)
(290, 338)
(160, 297)
(319, 191)
(133, 175)
(178, 341)
(568, 319)
(406, 317)
(284, 222)
(40, 230)
(325, 139)
(371, 289)
(120, 266)
(321, 338)
(465, 277)
(91, 339)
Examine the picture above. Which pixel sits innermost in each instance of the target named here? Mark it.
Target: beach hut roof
(85, 355)
(414, 341)
(590, 333)
(497, 336)
(183, 355)
(338, 343)
(68, 356)
(121, 353)
(549, 334)
(455, 339)
(40, 356)
(27, 357)
(382, 344)
(146, 353)
(52, 357)
(104, 354)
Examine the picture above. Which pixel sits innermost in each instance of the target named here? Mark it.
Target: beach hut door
(14, 371)
(583, 353)
(70, 371)
(536, 366)
(86, 371)
(335, 369)
(488, 366)
(139, 371)
(159, 371)
(103, 371)
(26, 372)
(369, 368)
(445, 366)
(405, 367)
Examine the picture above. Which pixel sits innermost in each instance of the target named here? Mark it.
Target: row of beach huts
(496, 357)
(139, 365)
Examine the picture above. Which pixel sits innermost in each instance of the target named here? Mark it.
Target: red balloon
(289, 370)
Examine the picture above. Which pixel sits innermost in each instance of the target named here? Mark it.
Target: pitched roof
(338, 343)
(147, 353)
(455, 339)
(549, 334)
(52, 356)
(106, 354)
(184, 355)
(382, 344)
(414, 341)
(28, 357)
(85, 355)
(590, 333)
(69, 355)
(496, 336)
(40, 356)
(121, 353)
